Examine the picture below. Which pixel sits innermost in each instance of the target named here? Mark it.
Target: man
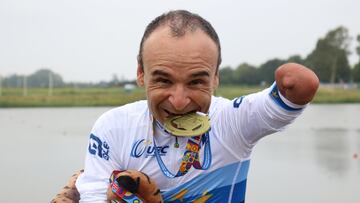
(178, 66)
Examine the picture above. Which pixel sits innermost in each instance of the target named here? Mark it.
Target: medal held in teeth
(188, 125)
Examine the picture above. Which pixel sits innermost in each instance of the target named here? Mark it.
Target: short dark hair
(179, 22)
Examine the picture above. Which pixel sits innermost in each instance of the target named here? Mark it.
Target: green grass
(62, 97)
(337, 95)
(232, 92)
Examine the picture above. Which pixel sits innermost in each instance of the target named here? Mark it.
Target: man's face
(179, 72)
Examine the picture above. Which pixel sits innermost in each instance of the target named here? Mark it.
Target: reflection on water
(356, 154)
(311, 161)
(40, 149)
(332, 146)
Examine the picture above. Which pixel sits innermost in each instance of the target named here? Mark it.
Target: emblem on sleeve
(237, 102)
(98, 147)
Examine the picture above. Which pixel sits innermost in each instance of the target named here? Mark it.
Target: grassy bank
(324, 94)
(59, 97)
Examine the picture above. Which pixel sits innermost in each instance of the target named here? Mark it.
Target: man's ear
(140, 75)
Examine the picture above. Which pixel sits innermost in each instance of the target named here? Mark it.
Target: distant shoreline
(116, 96)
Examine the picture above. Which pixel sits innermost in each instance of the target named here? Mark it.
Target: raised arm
(296, 83)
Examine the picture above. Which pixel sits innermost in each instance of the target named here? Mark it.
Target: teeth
(174, 114)
(200, 113)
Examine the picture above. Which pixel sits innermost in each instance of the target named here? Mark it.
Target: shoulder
(218, 103)
(123, 115)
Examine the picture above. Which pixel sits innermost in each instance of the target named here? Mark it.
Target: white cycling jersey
(123, 138)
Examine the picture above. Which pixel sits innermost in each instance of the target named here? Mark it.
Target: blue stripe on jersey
(223, 184)
(274, 94)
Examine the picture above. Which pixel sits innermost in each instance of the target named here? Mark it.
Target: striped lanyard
(190, 157)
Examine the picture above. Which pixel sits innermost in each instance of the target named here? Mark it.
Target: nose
(179, 98)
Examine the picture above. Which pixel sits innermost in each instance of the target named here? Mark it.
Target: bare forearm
(296, 83)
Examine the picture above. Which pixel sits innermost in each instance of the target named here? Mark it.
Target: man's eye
(196, 82)
(162, 81)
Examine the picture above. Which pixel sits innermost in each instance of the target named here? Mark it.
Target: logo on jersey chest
(146, 148)
(98, 147)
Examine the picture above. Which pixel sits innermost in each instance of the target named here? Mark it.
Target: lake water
(313, 160)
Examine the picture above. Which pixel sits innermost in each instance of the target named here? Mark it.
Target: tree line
(45, 78)
(329, 60)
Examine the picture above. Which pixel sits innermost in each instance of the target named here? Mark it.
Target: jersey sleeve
(100, 161)
(256, 115)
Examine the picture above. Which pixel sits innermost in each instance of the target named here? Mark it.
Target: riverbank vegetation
(69, 97)
(328, 59)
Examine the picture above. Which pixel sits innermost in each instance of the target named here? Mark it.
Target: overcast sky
(90, 40)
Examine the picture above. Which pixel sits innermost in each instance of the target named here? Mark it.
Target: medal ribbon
(190, 157)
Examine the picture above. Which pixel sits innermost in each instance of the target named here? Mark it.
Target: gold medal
(188, 125)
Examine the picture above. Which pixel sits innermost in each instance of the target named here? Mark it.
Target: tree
(296, 59)
(329, 58)
(43, 77)
(13, 81)
(247, 74)
(267, 70)
(356, 73)
(114, 81)
(356, 70)
(358, 47)
(226, 75)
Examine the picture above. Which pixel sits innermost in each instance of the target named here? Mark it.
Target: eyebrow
(160, 73)
(194, 75)
(200, 74)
